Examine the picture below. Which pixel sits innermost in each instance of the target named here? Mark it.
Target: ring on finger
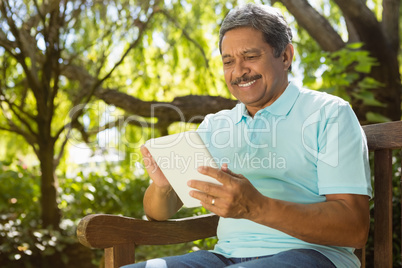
(213, 201)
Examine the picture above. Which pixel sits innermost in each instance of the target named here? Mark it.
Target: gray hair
(268, 20)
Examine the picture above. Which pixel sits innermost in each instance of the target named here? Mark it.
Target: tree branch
(187, 35)
(315, 24)
(39, 12)
(390, 22)
(54, 55)
(141, 26)
(50, 68)
(73, 15)
(92, 83)
(189, 108)
(366, 25)
(7, 44)
(353, 35)
(14, 109)
(33, 81)
(30, 139)
(61, 152)
(192, 108)
(133, 120)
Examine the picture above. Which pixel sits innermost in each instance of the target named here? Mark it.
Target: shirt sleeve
(343, 161)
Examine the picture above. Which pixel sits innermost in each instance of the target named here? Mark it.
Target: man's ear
(287, 56)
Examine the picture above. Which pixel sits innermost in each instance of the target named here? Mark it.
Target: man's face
(252, 73)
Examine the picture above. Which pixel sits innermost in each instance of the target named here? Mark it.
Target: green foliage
(179, 55)
(102, 193)
(150, 49)
(376, 118)
(344, 74)
(23, 242)
(341, 69)
(111, 188)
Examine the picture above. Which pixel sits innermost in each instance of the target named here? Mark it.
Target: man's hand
(235, 198)
(160, 200)
(153, 169)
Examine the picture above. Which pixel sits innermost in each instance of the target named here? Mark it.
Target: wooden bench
(119, 236)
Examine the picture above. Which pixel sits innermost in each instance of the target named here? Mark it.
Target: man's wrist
(162, 190)
(260, 210)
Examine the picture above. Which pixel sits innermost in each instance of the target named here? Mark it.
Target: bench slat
(104, 231)
(119, 255)
(383, 208)
(384, 135)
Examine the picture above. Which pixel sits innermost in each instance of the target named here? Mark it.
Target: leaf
(370, 83)
(357, 45)
(368, 98)
(376, 118)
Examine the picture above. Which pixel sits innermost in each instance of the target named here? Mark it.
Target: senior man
(295, 183)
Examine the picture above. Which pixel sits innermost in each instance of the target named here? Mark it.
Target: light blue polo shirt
(305, 145)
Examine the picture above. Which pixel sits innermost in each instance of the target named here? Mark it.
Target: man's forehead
(242, 40)
(245, 51)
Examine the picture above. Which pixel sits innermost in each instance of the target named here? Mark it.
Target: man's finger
(150, 164)
(217, 174)
(205, 187)
(225, 169)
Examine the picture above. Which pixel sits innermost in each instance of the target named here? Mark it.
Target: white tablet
(179, 156)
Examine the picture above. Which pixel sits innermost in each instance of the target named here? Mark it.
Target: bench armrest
(105, 231)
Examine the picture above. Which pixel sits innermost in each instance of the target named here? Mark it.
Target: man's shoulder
(319, 95)
(232, 113)
(223, 118)
(322, 106)
(318, 99)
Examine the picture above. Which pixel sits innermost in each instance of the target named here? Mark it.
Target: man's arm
(160, 203)
(160, 200)
(342, 220)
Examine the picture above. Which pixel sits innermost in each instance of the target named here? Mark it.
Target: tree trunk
(51, 214)
(390, 93)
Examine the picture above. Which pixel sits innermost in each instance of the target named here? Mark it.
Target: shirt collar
(281, 106)
(241, 112)
(285, 102)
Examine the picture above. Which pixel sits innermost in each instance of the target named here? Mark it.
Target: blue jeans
(300, 258)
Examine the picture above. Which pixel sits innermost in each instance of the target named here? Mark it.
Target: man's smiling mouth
(248, 80)
(247, 84)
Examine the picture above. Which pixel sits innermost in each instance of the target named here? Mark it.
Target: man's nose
(240, 69)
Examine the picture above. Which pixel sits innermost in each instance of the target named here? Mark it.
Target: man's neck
(252, 110)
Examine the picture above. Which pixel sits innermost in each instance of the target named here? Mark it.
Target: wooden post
(119, 255)
(383, 208)
(361, 254)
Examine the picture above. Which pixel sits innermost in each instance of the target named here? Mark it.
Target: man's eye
(228, 62)
(251, 57)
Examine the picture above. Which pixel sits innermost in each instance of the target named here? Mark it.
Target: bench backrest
(382, 139)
